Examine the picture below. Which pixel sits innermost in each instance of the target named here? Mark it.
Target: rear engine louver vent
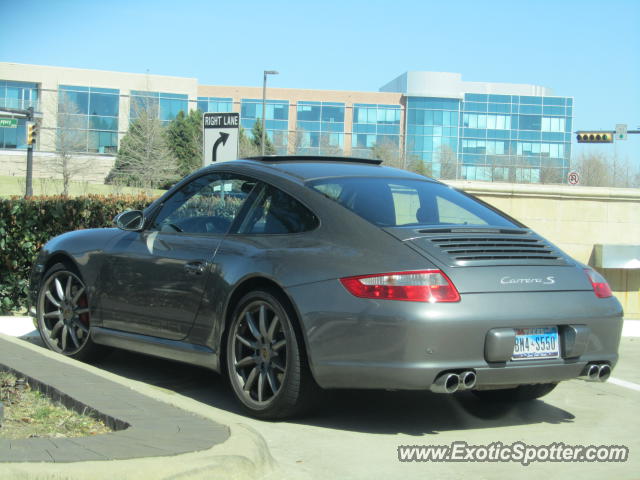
(465, 249)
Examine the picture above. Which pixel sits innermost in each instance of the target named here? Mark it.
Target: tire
(522, 393)
(63, 314)
(265, 358)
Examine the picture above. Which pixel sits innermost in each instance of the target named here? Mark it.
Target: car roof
(308, 168)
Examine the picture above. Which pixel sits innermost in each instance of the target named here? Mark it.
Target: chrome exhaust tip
(604, 372)
(591, 372)
(468, 379)
(446, 383)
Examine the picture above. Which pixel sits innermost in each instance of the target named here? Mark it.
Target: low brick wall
(575, 219)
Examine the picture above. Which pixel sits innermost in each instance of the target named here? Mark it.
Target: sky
(585, 49)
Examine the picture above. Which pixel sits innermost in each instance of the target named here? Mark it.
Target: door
(152, 281)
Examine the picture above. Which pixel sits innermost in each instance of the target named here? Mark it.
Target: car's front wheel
(63, 314)
(265, 357)
(521, 393)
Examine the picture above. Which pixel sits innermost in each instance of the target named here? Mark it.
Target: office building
(431, 121)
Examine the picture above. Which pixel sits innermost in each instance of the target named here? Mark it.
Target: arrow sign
(223, 140)
(220, 137)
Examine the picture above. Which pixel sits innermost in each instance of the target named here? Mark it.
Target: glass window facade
(276, 120)
(20, 95)
(320, 128)
(515, 138)
(87, 119)
(215, 104)
(166, 104)
(375, 125)
(432, 132)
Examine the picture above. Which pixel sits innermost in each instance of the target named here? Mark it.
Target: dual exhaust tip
(452, 382)
(596, 372)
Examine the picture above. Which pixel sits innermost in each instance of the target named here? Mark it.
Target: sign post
(220, 137)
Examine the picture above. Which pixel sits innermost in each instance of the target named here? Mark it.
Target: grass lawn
(29, 414)
(10, 186)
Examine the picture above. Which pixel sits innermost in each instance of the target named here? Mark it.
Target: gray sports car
(294, 274)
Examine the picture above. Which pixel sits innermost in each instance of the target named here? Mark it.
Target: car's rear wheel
(265, 357)
(63, 314)
(521, 393)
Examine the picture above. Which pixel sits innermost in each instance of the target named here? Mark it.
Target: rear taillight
(419, 286)
(600, 286)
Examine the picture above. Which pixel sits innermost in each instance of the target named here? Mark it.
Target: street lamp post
(264, 98)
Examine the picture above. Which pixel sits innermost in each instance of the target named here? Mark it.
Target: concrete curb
(220, 462)
(244, 454)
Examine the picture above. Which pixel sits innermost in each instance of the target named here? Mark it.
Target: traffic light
(32, 130)
(595, 137)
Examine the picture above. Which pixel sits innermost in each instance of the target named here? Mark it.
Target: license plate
(536, 342)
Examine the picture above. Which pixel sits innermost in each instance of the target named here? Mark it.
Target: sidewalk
(156, 434)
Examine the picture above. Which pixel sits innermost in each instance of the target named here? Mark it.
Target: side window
(208, 204)
(276, 212)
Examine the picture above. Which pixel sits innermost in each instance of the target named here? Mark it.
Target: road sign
(220, 138)
(573, 178)
(621, 131)
(8, 122)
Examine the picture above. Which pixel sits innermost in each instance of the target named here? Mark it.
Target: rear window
(391, 202)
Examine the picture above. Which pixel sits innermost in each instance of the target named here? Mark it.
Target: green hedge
(27, 224)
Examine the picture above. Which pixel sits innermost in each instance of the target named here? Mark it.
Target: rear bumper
(421, 377)
(358, 343)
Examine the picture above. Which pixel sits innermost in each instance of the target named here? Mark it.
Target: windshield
(393, 202)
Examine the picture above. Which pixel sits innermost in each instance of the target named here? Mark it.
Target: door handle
(194, 268)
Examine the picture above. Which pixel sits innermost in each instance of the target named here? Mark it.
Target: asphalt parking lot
(356, 434)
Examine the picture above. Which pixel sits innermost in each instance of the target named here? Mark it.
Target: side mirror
(131, 220)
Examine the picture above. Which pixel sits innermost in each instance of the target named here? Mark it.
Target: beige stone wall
(575, 219)
(86, 168)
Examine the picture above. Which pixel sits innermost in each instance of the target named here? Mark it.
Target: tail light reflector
(600, 286)
(418, 286)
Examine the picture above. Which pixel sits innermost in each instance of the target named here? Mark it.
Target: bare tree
(594, 170)
(597, 170)
(448, 163)
(622, 174)
(70, 138)
(419, 166)
(550, 174)
(327, 147)
(300, 144)
(389, 153)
